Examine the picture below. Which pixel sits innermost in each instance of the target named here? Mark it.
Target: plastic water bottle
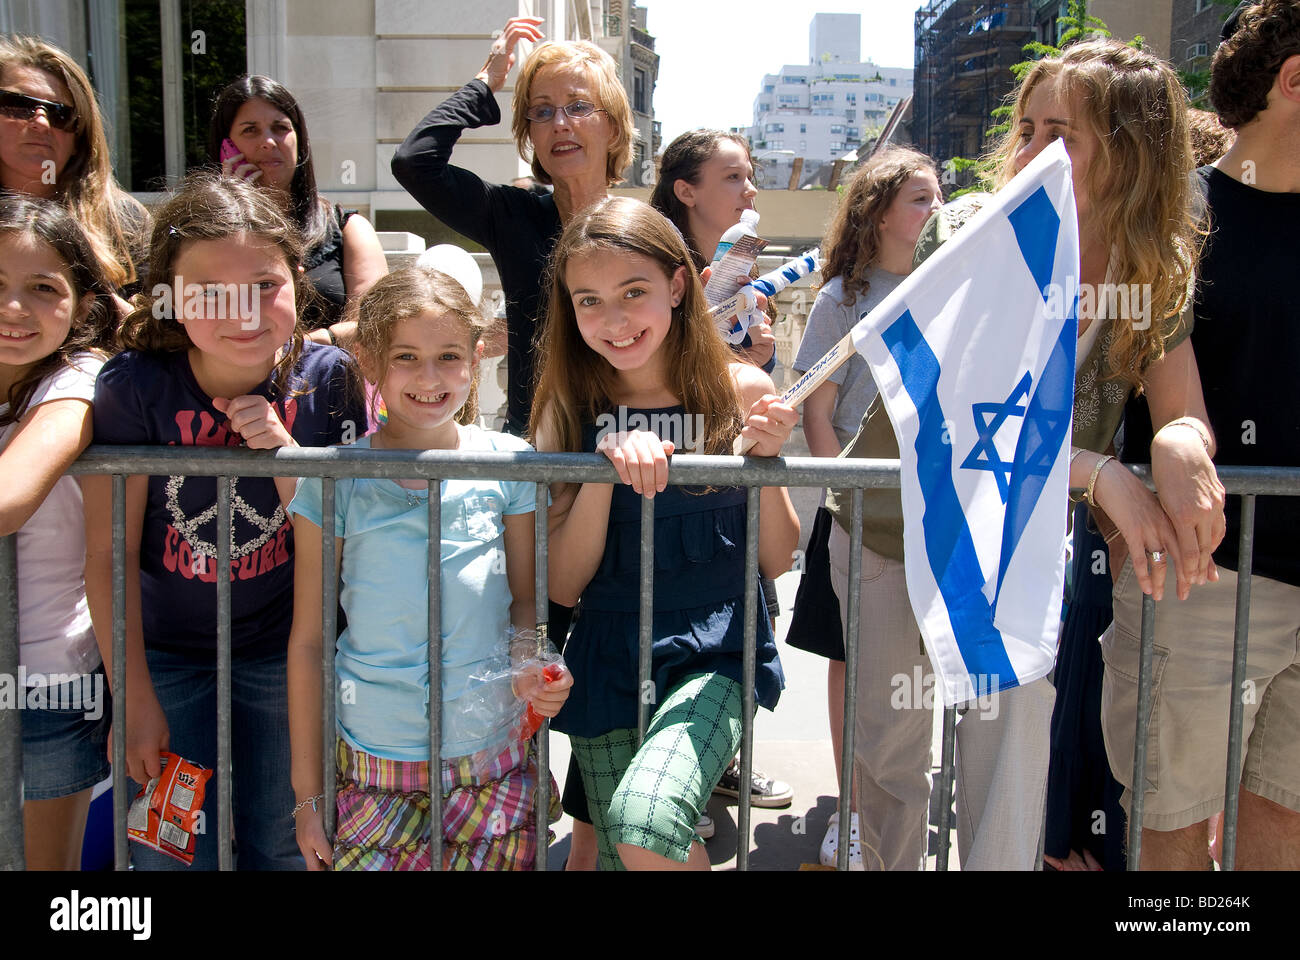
(731, 264)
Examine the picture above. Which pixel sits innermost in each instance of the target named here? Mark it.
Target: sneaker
(763, 791)
(704, 828)
(831, 844)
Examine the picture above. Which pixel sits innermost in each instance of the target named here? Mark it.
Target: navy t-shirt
(153, 398)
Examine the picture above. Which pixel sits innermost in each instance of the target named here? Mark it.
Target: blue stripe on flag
(1045, 428)
(1036, 224)
(949, 546)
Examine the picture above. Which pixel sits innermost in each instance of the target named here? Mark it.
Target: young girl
(706, 179)
(868, 251)
(628, 336)
(55, 322)
(419, 341)
(215, 358)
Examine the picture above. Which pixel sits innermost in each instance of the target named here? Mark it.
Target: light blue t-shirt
(382, 660)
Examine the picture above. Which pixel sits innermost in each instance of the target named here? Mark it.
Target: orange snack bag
(164, 815)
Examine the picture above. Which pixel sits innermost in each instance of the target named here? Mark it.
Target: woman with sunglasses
(260, 119)
(572, 114)
(52, 145)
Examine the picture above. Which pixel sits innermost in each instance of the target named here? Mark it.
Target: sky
(700, 42)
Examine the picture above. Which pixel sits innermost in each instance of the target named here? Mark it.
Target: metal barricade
(541, 468)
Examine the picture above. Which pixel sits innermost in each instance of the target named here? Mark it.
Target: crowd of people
(246, 310)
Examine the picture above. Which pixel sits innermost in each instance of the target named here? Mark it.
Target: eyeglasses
(19, 106)
(578, 110)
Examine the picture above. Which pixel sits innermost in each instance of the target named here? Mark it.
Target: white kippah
(456, 263)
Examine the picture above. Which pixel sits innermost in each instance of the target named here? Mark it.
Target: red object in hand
(532, 719)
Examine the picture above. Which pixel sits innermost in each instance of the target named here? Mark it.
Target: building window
(769, 87)
(788, 98)
(836, 146)
(776, 128)
(803, 128)
(893, 81)
(764, 107)
(776, 144)
(850, 115)
(850, 98)
(1198, 50)
(837, 128)
(803, 145)
(639, 99)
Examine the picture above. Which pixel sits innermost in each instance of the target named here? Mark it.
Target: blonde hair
(601, 70)
(86, 186)
(1139, 182)
(409, 293)
(852, 242)
(576, 384)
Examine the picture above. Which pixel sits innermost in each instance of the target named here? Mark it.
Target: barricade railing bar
(433, 466)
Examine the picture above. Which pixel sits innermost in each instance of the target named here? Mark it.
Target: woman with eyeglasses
(260, 119)
(52, 146)
(572, 114)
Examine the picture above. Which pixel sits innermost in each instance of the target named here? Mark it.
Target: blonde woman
(1123, 117)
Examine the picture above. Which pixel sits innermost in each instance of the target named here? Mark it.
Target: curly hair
(408, 293)
(1210, 138)
(1139, 182)
(852, 241)
(209, 206)
(1247, 62)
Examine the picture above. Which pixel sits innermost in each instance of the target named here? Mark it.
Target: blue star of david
(989, 418)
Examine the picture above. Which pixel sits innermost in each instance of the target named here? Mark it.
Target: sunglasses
(19, 106)
(578, 110)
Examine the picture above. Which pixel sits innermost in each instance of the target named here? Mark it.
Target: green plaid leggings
(652, 797)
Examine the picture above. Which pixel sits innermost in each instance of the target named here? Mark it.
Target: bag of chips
(166, 813)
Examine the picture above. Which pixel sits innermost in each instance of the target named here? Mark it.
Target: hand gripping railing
(542, 469)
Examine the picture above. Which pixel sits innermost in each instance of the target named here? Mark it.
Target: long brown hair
(48, 222)
(86, 185)
(1139, 183)
(576, 385)
(209, 206)
(409, 293)
(852, 241)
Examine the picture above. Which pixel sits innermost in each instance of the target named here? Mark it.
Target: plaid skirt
(488, 819)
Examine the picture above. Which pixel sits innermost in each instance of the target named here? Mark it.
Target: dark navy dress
(699, 598)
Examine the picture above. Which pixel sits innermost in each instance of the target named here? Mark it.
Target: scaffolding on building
(964, 53)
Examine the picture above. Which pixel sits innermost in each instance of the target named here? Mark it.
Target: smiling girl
(419, 340)
(55, 320)
(628, 327)
(204, 372)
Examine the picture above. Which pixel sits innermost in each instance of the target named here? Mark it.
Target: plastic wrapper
(167, 812)
(496, 706)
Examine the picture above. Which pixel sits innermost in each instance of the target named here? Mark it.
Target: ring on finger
(1157, 556)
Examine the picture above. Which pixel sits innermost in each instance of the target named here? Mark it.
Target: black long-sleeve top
(517, 227)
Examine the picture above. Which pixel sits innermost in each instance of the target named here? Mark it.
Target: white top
(54, 629)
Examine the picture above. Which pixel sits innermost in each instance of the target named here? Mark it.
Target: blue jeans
(262, 795)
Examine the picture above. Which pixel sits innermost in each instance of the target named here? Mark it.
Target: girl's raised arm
(46, 442)
(304, 683)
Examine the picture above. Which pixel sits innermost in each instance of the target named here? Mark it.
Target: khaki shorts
(1187, 743)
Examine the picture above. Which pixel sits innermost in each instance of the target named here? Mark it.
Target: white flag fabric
(974, 357)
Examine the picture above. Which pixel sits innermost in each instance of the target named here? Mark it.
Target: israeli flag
(974, 357)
